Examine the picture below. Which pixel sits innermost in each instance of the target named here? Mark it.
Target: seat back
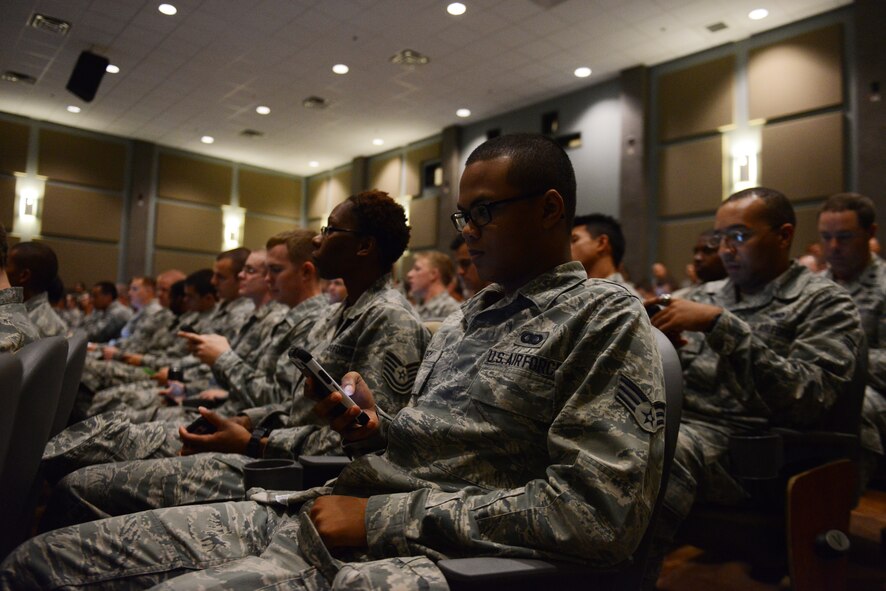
(10, 391)
(77, 343)
(43, 367)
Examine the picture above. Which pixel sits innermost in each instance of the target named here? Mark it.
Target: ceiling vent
(408, 57)
(10, 76)
(50, 24)
(716, 27)
(315, 102)
(250, 133)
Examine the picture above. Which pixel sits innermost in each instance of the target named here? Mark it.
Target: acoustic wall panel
(257, 230)
(270, 193)
(189, 228)
(803, 158)
(806, 231)
(88, 262)
(193, 179)
(13, 146)
(691, 177)
(185, 262)
(339, 187)
(81, 214)
(384, 175)
(7, 201)
(414, 159)
(423, 221)
(318, 198)
(82, 160)
(796, 75)
(675, 243)
(696, 100)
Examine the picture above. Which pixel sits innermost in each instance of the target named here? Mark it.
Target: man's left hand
(340, 521)
(680, 315)
(230, 436)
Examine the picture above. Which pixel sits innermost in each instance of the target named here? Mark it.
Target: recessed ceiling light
(112, 69)
(378, 142)
(582, 72)
(313, 164)
(207, 139)
(758, 13)
(340, 69)
(263, 110)
(463, 112)
(73, 109)
(167, 9)
(456, 9)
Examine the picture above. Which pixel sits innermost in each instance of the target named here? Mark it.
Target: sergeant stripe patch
(650, 416)
(397, 375)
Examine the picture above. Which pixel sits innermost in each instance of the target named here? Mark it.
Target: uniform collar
(307, 306)
(36, 301)
(367, 297)
(787, 286)
(11, 295)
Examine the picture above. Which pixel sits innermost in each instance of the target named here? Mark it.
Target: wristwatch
(253, 448)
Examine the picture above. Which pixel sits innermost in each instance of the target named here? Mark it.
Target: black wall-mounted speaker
(87, 75)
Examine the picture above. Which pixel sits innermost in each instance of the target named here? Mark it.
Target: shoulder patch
(650, 416)
(397, 375)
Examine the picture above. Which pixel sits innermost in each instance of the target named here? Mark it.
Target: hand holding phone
(306, 363)
(201, 426)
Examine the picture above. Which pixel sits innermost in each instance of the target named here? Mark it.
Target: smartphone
(201, 426)
(309, 366)
(186, 328)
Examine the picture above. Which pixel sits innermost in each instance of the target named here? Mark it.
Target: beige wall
(696, 100)
(82, 160)
(13, 146)
(690, 177)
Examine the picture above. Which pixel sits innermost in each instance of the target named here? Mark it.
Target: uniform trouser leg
(140, 550)
(872, 433)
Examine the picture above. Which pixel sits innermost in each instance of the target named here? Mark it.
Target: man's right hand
(326, 407)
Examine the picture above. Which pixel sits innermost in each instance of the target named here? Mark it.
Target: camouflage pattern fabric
(230, 316)
(167, 348)
(44, 317)
(517, 441)
(779, 357)
(136, 335)
(438, 307)
(72, 317)
(16, 328)
(619, 278)
(104, 325)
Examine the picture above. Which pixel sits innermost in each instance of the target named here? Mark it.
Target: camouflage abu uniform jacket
(230, 316)
(136, 335)
(104, 325)
(44, 317)
(16, 328)
(438, 307)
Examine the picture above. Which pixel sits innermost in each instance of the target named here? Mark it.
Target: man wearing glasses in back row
(771, 345)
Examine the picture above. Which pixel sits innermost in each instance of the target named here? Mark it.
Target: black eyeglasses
(734, 237)
(327, 230)
(481, 213)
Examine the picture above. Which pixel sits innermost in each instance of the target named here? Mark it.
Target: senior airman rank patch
(649, 415)
(397, 375)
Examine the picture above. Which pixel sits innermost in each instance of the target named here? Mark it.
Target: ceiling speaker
(87, 75)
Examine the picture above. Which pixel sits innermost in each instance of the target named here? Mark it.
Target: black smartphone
(305, 362)
(201, 426)
(187, 328)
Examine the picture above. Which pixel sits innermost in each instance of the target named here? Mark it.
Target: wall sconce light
(744, 171)
(29, 192)
(233, 218)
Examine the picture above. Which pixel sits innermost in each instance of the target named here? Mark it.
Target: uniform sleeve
(798, 388)
(253, 386)
(601, 477)
(877, 357)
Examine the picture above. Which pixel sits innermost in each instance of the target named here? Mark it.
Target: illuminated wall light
(167, 9)
(340, 69)
(112, 69)
(456, 9)
(744, 171)
(263, 110)
(582, 72)
(233, 218)
(73, 109)
(463, 113)
(758, 13)
(26, 223)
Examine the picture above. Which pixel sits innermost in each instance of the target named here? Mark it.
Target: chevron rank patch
(650, 416)
(397, 375)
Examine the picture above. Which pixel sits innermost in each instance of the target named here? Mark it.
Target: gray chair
(43, 368)
(516, 574)
(77, 343)
(10, 391)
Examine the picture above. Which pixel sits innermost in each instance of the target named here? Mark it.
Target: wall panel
(691, 177)
(188, 228)
(193, 179)
(423, 220)
(88, 262)
(257, 230)
(698, 99)
(414, 160)
(318, 189)
(806, 231)
(13, 146)
(675, 243)
(183, 261)
(796, 75)
(269, 193)
(339, 187)
(82, 160)
(384, 174)
(803, 158)
(7, 201)
(81, 213)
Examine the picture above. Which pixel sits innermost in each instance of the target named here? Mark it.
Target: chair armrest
(467, 574)
(319, 469)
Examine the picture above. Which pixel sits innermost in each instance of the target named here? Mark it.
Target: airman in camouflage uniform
(48, 323)
(432, 272)
(33, 266)
(16, 328)
(846, 223)
(438, 307)
(104, 325)
(522, 438)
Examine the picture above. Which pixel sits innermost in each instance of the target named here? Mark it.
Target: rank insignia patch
(649, 415)
(397, 375)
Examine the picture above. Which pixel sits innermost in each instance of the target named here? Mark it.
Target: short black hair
(107, 288)
(379, 216)
(599, 224)
(4, 247)
(538, 164)
(779, 210)
(56, 290)
(201, 281)
(40, 260)
(862, 205)
(237, 256)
